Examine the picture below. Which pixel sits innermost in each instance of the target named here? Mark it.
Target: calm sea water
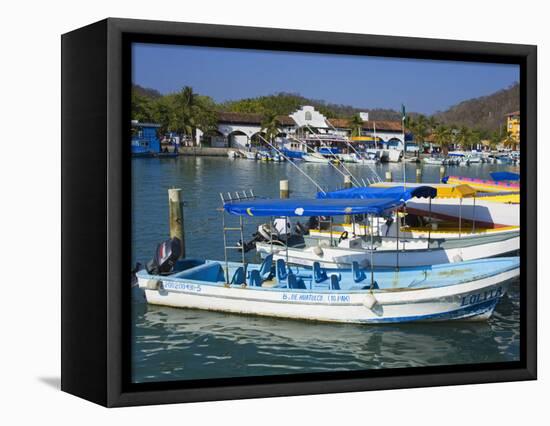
(182, 344)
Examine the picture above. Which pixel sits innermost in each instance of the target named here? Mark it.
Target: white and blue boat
(462, 291)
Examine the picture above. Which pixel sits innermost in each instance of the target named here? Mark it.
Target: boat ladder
(228, 198)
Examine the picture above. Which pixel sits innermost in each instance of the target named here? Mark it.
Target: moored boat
(315, 158)
(486, 185)
(465, 291)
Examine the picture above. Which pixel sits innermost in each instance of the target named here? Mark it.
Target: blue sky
(370, 82)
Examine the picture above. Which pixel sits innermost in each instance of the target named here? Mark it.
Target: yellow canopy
(455, 191)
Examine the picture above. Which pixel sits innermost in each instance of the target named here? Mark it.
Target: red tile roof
(250, 118)
(382, 125)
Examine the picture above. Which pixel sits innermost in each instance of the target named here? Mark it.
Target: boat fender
(370, 301)
(152, 284)
(318, 251)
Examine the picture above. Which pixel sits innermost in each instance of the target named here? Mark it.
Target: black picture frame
(95, 211)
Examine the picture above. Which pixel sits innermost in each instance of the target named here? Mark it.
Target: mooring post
(176, 217)
(347, 185)
(388, 176)
(283, 189)
(441, 172)
(418, 175)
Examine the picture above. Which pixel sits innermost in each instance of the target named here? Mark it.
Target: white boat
(348, 158)
(335, 253)
(465, 291)
(434, 161)
(454, 202)
(481, 210)
(315, 158)
(249, 155)
(232, 154)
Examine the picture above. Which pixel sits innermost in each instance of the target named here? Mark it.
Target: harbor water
(183, 344)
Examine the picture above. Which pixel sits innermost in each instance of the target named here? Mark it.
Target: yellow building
(512, 124)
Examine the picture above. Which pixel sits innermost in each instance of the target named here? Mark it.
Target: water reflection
(180, 344)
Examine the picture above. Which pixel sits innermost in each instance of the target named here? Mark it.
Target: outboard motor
(166, 256)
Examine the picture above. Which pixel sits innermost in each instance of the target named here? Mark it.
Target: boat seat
(335, 281)
(238, 276)
(319, 275)
(255, 279)
(280, 270)
(358, 274)
(266, 268)
(295, 282)
(212, 272)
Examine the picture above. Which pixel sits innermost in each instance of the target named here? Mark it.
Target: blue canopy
(370, 192)
(505, 176)
(312, 207)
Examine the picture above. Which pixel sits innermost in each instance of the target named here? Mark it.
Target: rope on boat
(292, 162)
(357, 183)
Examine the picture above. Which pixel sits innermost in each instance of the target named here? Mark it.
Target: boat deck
(213, 273)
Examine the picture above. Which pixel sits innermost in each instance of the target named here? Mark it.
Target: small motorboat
(463, 291)
(434, 161)
(315, 157)
(249, 155)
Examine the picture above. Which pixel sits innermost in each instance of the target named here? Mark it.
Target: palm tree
(356, 125)
(431, 123)
(271, 126)
(443, 136)
(419, 127)
(464, 137)
(494, 140)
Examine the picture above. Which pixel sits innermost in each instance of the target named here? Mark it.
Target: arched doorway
(215, 139)
(237, 139)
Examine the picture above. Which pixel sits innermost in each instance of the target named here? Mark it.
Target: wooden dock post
(347, 185)
(388, 176)
(175, 205)
(441, 172)
(283, 189)
(418, 175)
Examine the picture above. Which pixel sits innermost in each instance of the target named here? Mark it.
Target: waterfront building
(239, 130)
(242, 130)
(388, 133)
(512, 124)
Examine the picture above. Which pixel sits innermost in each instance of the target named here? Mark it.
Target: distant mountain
(145, 91)
(286, 103)
(484, 113)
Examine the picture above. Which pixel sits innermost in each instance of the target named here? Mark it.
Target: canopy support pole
(241, 225)
(271, 233)
(287, 237)
(474, 213)
(371, 220)
(430, 221)
(397, 239)
(460, 218)
(330, 224)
